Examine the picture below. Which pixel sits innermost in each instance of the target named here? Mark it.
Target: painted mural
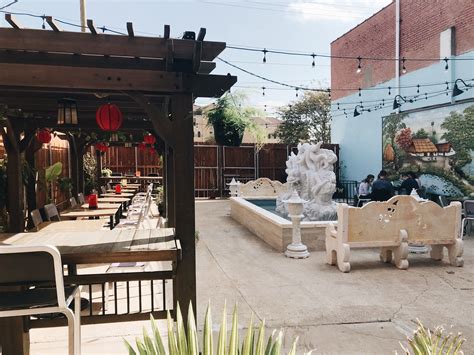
(437, 144)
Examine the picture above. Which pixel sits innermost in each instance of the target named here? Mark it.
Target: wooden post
(76, 149)
(30, 151)
(183, 157)
(13, 339)
(170, 188)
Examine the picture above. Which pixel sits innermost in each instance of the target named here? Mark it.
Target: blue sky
(296, 25)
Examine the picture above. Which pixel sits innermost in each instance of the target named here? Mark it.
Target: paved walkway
(367, 311)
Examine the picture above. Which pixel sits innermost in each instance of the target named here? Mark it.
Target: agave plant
(182, 341)
(425, 342)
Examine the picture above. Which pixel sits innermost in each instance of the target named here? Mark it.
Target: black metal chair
(468, 215)
(51, 212)
(37, 274)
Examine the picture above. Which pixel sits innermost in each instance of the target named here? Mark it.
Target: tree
(309, 120)
(460, 133)
(404, 139)
(421, 133)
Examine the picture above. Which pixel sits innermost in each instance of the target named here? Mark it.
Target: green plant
(184, 341)
(425, 342)
(230, 121)
(65, 185)
(106, 172)
(48, 176)
(90, 169)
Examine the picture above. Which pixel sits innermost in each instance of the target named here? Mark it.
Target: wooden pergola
(154, 81)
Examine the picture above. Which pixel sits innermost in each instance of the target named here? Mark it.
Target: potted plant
(65, 185)
(48, 177)
(230, 119)
(106, 172)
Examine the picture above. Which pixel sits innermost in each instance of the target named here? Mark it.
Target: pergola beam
(112, 45)
(130, 29)
(90, 24)
(54, 26)
(13, 21)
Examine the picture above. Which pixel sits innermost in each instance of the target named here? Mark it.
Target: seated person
(408, 184)
(365, 186)
(382, 189)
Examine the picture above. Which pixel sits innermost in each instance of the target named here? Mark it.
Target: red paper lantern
(150, 139)
(43, 136)
(118, 189)
(109, 118)
(92, 201)
(101, 147)
(142, 147)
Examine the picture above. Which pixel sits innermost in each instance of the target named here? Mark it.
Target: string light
(263, 90)
(446, 67)
(359, 65)
(313, 64)
(404, 69)
(418, 89)
(329, 94)
(296, 92)
(264, 55)
(389, 90)
(360, 92)
(43, 26)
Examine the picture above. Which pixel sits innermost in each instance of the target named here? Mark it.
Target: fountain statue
(311, 174)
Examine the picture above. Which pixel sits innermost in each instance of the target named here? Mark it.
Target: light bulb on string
(329, 94)
(263, 90)
(264, 55)
(313, 64)
(426, 96)
(359, 65)
(389, 90)
(447, 86)
(360, 92)
(338, 106)
(383, 102)
(418, 89)
(296, 92)
(404, 69)
(43, 26)
(265, 108)
(446, 67)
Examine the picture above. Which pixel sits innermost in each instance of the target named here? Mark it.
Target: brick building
(441, 34)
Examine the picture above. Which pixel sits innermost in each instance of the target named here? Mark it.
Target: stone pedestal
(296, 250)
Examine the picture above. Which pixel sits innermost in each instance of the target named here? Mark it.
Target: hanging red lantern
(142, 147)
(150, 139)
(43, 136)
(109, 118)
(101, 147)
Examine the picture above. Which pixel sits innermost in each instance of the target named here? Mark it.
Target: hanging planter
(109, 117)
(43, 136)
(149, 139)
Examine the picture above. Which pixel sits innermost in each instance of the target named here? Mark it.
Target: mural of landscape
(437, 144)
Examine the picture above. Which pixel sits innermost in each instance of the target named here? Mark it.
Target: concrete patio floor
(367, 311)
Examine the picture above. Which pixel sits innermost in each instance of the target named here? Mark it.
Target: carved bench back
(262, 187)
(425, 222)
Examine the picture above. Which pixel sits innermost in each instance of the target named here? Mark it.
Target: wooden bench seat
(391, 226)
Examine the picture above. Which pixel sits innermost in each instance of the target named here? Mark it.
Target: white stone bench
(391, 225)
(262, 187)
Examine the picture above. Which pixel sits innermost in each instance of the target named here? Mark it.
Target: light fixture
(67, 111)
(359, 66)
(264, 55)
(404, 68)
(456, 90)
(446, 66)
(356, 112)
(313, 64)
(397, 104)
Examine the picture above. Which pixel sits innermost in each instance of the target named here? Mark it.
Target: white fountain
(311, 175)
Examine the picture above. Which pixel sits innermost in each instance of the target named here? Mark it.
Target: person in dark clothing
(408, 184)
(382, 189)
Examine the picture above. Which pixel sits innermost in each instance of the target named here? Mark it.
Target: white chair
(34, 266)
(80, 198)
(468, 215)
(73, 202)
(51, 212)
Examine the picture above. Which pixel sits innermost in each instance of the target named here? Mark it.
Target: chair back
(443, 201)
(103, 189)
(141, 217)
(51, 212)
(73, 202)
(80, 198)
(36, 218)
(109, 186)
(469, 208)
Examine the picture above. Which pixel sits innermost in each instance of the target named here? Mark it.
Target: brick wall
(422, 21)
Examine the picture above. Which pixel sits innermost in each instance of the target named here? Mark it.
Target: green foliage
(65, 185)
(391, 125)
(182, 341)
(420, 134)
(308, 120)
(90, 170)
(230, 118)
(48, 177)
(460, 133)
(425, 342)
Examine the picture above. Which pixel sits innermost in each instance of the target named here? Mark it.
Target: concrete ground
(367, 311)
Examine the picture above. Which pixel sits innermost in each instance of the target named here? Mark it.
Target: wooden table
(96, 247)
(123, 191)
(96, 213)
(103, 205)
(112, 194)
(72, 226)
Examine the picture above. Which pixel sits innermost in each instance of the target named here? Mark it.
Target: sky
(293, 25)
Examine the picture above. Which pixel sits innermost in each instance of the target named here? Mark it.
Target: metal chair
(36, 218)
(51, 212)
(73, 202)
(468, 215)
(80, 198)
(103, 189)
(443, 201)
(33, 267)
